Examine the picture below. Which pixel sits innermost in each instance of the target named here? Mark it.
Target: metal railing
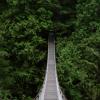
(40, 94)
(62, 94)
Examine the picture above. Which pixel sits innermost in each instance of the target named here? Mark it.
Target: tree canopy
(24, 28)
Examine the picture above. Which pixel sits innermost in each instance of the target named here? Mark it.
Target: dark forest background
(24, 29)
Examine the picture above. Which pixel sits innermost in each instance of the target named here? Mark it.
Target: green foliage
(21, 58)
(78, 68)
(78, 53)
(24, 23)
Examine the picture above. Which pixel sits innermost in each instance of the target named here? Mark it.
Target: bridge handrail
(42, 87)
(62, 93)
(40, 91)
(37, 96)
(62, 96)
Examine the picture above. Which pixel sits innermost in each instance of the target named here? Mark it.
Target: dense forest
(24, 29)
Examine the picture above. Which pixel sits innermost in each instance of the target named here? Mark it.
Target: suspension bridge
(51, 89)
